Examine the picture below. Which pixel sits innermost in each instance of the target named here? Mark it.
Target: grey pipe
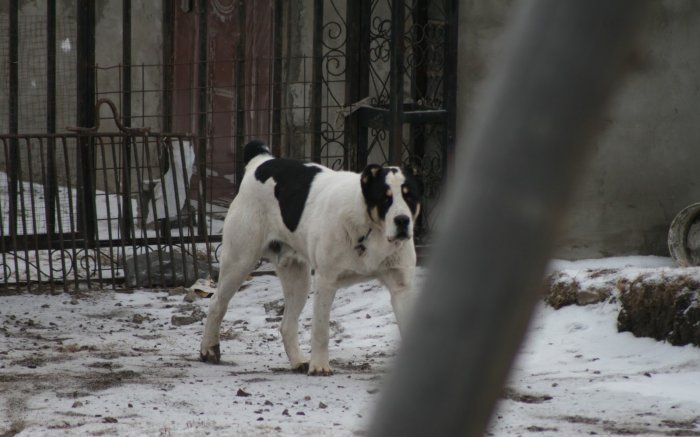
(511, 185)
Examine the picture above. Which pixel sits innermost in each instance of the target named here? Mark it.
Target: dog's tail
(253, 149)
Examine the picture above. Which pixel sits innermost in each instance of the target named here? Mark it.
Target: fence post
(507, 202)
(14, 170)
(86, 117)
(317, 81)
(202, 47)
(398, 18)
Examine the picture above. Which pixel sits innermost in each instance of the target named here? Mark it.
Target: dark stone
(196, 316)
(165, 269)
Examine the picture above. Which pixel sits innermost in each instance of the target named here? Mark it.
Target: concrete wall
(644, 165)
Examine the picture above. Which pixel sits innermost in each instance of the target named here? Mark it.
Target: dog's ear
(413, 173)
(368, 177)
(370, 172)
(411, 170)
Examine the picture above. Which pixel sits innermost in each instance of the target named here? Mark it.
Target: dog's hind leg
(234, 270)
(323, 300)
(296, 282)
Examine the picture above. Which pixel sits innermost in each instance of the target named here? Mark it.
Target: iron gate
(385, 88)
(376, 83)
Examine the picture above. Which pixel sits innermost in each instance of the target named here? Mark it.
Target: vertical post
(357, 79)
(396, 78)
(168, 56)
(316, 81)
(202, 124)
(419, 84)
(126, 63)
(51, 66)
(14, 166)
(51, 178)
(472, 318)
(240, 93)
(127, 213)
(277, 77)
(86, 115)
(450, 82)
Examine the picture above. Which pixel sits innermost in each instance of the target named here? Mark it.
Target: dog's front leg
(323, 300)
(399, 283)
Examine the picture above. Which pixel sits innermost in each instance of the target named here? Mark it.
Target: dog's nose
(402, 221)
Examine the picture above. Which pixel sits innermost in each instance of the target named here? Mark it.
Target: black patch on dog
(361, 248)
(275, 246)
(374, 189)
(412, 190)
(292, 184)
(253, 149)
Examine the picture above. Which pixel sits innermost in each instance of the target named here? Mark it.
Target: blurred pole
(513, 179)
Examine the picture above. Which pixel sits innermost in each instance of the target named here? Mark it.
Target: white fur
(335, 218)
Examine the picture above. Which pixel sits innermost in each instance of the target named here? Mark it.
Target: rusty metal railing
(122, 212)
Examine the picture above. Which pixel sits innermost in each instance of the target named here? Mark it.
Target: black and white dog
(303, 217)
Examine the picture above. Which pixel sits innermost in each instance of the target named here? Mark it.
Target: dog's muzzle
(403, 231)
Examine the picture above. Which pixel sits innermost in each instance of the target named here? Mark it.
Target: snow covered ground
(106, 363)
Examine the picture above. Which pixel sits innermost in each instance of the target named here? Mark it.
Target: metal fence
(115, 208)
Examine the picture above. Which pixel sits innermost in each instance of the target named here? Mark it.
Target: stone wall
(643, 168)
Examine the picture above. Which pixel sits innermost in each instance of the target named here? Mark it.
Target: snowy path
(114, 364)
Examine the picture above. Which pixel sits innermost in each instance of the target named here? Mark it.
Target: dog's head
(393, 198)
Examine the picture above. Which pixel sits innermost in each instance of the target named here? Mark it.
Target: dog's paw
(301, 368)
(320, 370)
(211, 354)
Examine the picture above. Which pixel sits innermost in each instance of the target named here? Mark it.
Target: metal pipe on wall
(512, 179)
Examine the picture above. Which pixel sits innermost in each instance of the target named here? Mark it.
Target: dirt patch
(689, 424)
(31, 362)
(562, 290)
(352, 366)
(666, 309)
(582, 420)
(16, 427)
(514, 395)
(535, 428)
